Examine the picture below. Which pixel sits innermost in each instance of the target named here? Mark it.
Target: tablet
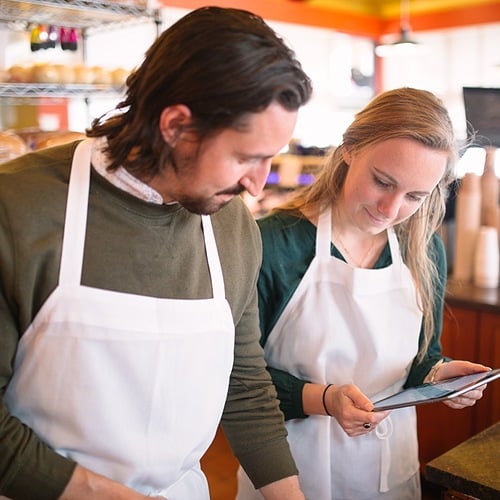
(437, 391)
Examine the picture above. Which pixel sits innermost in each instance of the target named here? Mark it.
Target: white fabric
(348, 325)
(120, 177)
(117, 381)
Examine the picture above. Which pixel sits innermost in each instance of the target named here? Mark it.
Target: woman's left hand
(456, 368)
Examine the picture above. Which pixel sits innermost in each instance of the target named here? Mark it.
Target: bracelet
(434, 370)
(324, 402)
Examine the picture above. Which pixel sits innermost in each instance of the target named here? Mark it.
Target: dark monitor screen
(482, 112)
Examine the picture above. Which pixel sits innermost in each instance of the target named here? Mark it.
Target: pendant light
(404, 44)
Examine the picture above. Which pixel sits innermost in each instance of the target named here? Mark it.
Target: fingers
(359, 429)
(356, 397)
(363, 422)
(467, 399)
(457, 367)
(460, 402)
(353, 410)
(475, 394)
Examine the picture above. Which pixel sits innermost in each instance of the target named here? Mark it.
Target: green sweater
(288, 249)
(134, 247)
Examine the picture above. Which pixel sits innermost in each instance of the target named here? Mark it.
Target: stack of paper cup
(486, 258)
(467, 223)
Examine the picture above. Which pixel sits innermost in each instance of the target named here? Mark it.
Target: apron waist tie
(384, 432)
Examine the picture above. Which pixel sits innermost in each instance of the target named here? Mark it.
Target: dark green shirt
(288, 249)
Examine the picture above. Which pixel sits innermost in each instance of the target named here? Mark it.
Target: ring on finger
(367, 425)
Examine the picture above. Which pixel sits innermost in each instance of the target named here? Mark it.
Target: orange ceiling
(372, 18)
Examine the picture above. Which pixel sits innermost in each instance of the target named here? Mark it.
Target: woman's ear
(346, 155)
(173, 120)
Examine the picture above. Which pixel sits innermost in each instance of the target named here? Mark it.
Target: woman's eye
(381, 183)
(416, 198)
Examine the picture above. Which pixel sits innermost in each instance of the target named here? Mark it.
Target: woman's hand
(352, 409)
(456, 368)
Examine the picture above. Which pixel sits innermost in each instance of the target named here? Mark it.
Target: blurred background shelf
(34, 90)
(87, 15)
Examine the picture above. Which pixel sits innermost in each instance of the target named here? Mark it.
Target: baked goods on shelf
(35, 138)
(11, 146)
(64, 74)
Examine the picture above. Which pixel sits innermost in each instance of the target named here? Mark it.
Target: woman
(351, 295)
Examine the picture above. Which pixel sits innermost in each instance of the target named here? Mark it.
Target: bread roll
(50, 139)
(119, 76)
(66, 74)
(11, 146)
(20, 74)
(83, 74)
(102, 75)
(45, 73)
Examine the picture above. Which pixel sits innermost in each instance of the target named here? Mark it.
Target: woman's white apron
(347, 325)
(129, 386)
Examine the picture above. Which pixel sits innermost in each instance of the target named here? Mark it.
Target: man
(128, 313)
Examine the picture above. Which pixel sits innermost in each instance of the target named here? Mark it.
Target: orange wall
(453, 18)
(299, 12)
(295, 12)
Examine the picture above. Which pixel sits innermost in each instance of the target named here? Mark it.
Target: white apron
(117, 381)
(347, 325)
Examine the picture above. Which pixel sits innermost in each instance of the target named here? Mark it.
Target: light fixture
(404, 44)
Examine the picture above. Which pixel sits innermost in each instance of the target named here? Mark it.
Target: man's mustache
(233, 191)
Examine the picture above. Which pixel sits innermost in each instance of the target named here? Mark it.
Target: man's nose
(255, 179)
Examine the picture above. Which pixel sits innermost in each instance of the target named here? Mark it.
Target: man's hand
(87, 485)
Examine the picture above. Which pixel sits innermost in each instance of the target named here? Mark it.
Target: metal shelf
(82, 14)
(31, 90)
(88, 16)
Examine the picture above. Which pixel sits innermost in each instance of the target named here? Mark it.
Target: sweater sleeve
(252, 420)
(289, 389)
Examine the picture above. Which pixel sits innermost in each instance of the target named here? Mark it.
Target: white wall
(451, 59)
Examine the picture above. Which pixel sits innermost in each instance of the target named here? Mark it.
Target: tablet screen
(428, 393)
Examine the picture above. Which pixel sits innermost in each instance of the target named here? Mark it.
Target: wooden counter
(471, 468)
(469, 296)
(471, 331)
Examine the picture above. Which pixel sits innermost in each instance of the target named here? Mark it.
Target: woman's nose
(389, 206)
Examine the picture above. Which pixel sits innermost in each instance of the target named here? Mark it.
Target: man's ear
(173, 120)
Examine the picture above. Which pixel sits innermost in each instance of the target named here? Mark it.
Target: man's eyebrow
(258, 156)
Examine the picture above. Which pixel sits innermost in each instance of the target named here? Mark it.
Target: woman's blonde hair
(401, 113)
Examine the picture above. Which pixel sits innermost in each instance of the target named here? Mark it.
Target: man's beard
(202, 206)
(207, 206)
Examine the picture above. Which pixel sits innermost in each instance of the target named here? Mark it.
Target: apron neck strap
(76, 215)
(324, 233)
(213, 258)
(396, 258)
